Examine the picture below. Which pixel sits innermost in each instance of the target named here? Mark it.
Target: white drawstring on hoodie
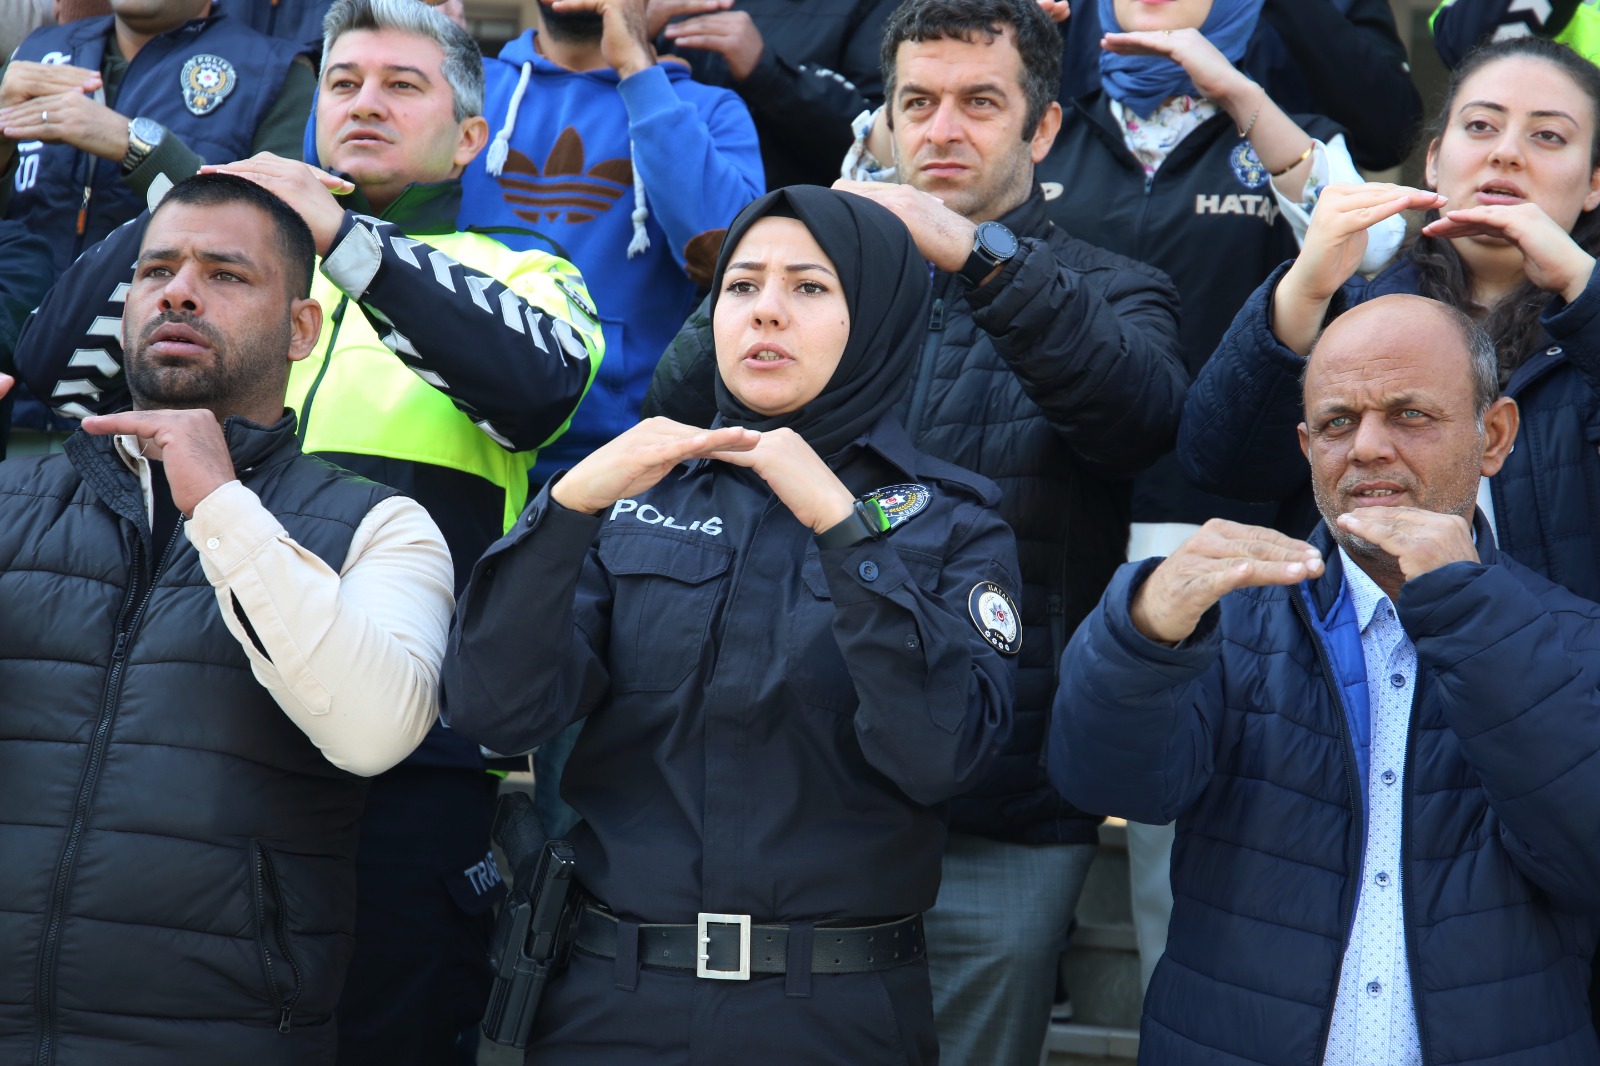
(500, 150)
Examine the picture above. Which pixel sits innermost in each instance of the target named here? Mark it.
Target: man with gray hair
(1381, 747)
(447, 359)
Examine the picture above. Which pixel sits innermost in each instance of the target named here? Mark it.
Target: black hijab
(886, 286)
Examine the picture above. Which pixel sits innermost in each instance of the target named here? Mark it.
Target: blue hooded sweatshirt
(632, 180)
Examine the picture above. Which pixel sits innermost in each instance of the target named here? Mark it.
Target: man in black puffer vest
(1051, 367)
(207, 641)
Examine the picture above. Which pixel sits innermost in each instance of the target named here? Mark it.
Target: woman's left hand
(1550, 257)
(1209, 69)
(798, 477)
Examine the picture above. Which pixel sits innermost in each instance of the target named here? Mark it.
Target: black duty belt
(727, 947)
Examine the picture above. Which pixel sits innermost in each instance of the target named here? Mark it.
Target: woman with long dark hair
(787, 654)
(1511, 234)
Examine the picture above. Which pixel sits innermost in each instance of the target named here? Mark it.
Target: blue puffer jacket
(1242, 734)
(1238, 433)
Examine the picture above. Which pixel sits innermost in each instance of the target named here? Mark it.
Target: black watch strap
(993, 245)
(865, 522)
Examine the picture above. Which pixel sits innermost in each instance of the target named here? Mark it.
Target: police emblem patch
(900, 503)
(1246, 167)
(996, 616)
(206, 81)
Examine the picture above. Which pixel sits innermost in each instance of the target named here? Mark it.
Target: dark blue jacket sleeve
(935, 697)
(1576, 327)
(1238, 435)
(70, 351)
(25, 276)
(1134, 726)
(507, 684)
(1520, 685)
(1095, 348)
(514, 347)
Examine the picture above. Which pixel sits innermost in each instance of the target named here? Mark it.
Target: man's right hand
(25, 80)
(1221, 557)
(625, 39)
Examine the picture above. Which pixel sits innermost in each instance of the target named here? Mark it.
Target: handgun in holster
(533, 934)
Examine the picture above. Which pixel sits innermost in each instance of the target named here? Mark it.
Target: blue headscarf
(1143, 82)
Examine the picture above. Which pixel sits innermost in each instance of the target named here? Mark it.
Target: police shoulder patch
(901, 503)
(1247, 166)
(996, 617)
(206, 80)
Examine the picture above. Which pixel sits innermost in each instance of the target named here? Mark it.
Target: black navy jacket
(770, 729)
(1238, 434)
(178, 880)
(1241, 734)
(1060, 380)
(49, 181)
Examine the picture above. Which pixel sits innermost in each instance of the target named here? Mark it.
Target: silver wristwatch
(144, 134)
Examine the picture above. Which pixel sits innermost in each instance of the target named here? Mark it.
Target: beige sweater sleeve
(352, 657)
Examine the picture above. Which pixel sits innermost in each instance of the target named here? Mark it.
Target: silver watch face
(147, 130)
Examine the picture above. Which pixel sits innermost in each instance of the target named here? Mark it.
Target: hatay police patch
(996, 616)
(206, 81)
(901, 503)
(1247, 166)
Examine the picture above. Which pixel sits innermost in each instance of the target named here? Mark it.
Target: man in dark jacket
(1051, 367)
(211, 640)
(1382, 748)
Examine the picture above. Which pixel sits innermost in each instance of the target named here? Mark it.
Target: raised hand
(68, 116)
(1058, 10)
(634, 461)
(661, 12)
(625, 37)
(1331, 252)
(25, 80)
(944, 237)
(305, 188)
(798, 477)
(189, 442)
(6, 381)
(732, 34)
(1419, 540)
(1208, 68)
(1221, 557)
(1550, 257)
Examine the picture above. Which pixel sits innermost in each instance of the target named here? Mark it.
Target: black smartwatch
(865, 522)
(993, 246)
(144, 135)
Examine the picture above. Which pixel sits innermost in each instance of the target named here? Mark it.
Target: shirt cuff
(229, 526)
(355, 257)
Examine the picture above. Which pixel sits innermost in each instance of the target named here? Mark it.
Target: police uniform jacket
(772, 729)
(1242, 733)
(178, 883)
(1207, 218)
(210, 81)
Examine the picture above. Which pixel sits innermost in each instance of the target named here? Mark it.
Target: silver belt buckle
(703, 934)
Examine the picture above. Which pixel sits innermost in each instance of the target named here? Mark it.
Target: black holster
(533, 933)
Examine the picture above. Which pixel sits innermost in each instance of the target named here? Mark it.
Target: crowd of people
(847, 450)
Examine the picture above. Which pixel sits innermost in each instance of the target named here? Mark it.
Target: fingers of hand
(6, 381)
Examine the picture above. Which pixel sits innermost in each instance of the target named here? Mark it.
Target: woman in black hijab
(790, 638)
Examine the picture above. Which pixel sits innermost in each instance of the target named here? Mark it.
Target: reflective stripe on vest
(367, 402)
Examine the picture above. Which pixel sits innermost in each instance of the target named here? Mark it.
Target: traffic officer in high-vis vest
(1459, 26)
(445, 361)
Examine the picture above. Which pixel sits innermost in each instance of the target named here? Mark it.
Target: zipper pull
(121, 649)
(83, 210)
(936, 319)
(283, 1020)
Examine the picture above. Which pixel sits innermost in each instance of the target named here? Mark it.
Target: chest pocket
(816, 670)
(665, 588)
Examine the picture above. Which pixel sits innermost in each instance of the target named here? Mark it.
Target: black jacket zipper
(1353, 858)
(267, 881)
(139, 592)
(922, 380)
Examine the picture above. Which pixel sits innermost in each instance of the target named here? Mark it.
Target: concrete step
(1090, 1045)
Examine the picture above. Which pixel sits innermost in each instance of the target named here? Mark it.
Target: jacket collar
(421, 208)
(250, 446)
(1326, 589)
(1029, 218)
